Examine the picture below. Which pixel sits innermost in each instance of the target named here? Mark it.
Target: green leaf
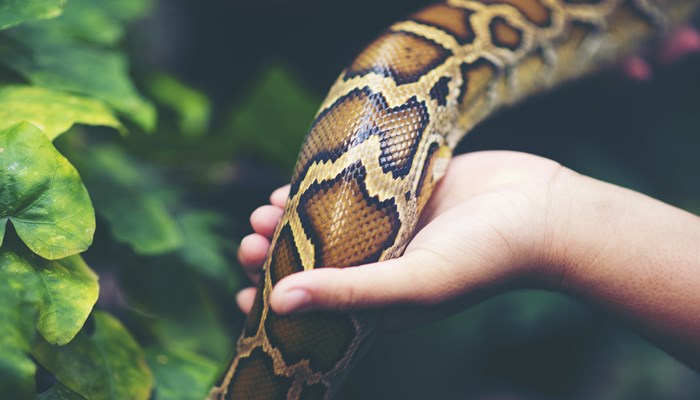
(57, 63)
(127, 196)
(65, 290)
(14, 12)
(96, 21)
(87, 20)
(193, 107)
(180, 374)
(17, 315)
(203, 249)
(42, 195)
(278, 109)
(53, 112)
(108, 364)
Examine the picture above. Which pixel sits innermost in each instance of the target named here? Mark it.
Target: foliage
(65, 72)
(123, 190)
(64, 291)
(104, 364)
(15, 12)
(51, 111)
(278, 106)
(44, 198)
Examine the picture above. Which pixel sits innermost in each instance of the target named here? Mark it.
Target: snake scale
(382, 140)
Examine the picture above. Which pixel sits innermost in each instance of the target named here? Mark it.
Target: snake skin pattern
(383, 139)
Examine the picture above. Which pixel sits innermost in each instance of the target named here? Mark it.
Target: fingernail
(295, 300)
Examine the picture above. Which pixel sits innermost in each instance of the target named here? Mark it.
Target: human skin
(505, 220)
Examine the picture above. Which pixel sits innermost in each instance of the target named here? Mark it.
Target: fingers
(279, 197)
(252, 253)
(245, 299)
(405, 280)
(253, 248)
(459, 252)
(264, 219)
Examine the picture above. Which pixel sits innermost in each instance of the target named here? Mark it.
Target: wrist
(633, 256)
(583, 220)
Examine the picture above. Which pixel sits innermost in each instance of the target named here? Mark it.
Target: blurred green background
(235, 84)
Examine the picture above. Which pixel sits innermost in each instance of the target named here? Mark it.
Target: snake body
(381, 142)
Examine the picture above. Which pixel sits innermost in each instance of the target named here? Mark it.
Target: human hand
(487, 228)
(500, 220)
(683, 41)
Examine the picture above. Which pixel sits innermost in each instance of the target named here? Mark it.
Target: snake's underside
(381, 142)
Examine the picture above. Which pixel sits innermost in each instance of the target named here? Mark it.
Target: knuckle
(351, 299)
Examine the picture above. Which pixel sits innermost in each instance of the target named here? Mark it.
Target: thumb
(405, 280)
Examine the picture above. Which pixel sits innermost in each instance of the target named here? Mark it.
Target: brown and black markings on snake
(476, 76)
(285, 261)
(440, 90)
(504, 34)
(365, 238)
(402, 56)
(247, 378)
(343, 126)
(253, 322)
(533, 10)
(378, 147)
(426, 182)
(285, 257)
(452, 20)
(588, 2)
(321, 338)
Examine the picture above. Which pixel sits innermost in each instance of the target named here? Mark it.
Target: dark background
(524, 345)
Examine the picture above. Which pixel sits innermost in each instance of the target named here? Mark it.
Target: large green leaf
(107, 364)
(180, 374)
(52, 111)
(65, 290)
(42, 195)
(279, 110)
(14, 12)
(55, 62)
(17, 315)
(128, 198)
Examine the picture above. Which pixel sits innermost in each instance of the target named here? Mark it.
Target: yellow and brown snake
(382, 140)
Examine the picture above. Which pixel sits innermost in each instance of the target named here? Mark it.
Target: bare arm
(635, 257)
(501, 220)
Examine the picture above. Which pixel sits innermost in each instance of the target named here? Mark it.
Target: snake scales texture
(382, 140)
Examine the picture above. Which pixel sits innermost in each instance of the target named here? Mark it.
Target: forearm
(635, 257)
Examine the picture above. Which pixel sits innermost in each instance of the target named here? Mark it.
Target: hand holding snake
(517, 227)
(377, 150)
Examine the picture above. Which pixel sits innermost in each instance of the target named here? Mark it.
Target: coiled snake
(381, 142)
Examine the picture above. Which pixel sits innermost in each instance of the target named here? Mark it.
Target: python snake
(382, 140)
